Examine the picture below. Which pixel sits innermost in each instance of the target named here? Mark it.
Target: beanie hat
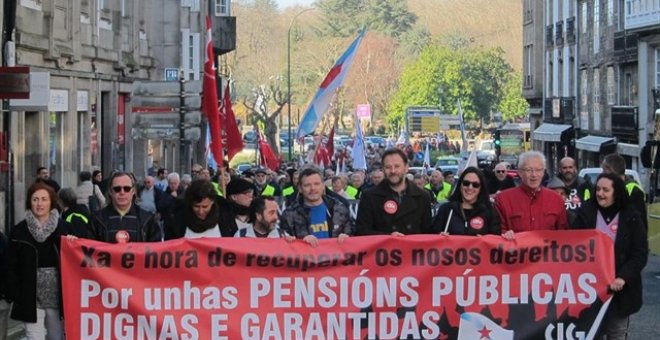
(238, 186)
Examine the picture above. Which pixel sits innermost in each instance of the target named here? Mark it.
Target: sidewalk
(15, 331)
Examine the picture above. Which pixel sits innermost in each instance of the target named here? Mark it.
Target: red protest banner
(544, 284)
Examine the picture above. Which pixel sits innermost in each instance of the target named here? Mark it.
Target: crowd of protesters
(316, 206)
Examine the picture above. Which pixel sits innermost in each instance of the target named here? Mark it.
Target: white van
(592, 174)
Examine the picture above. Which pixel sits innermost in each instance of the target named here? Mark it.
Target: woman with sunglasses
(612, 214)
(468, 211)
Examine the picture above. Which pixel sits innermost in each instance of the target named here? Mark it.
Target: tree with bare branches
(265, 105)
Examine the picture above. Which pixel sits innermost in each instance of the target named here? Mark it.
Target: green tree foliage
(342, 18)
(443, 75)
(513, 105)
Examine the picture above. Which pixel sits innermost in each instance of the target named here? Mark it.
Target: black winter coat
(139, 223)
(480, 220)
(410, 214)
(631, 252)
(22, 268)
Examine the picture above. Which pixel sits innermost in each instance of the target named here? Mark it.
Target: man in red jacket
(530, 206)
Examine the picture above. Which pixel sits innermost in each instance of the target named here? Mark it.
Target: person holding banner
(530, 206)
(469, 211)
(315, 215)
(123, 221)
(33, 265)
(613, 214)
(396, 206)
(263, 219)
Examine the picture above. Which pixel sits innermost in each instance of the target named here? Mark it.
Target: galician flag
(476, 326)
(323, 97)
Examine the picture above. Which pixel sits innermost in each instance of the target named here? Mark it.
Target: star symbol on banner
(485, 333)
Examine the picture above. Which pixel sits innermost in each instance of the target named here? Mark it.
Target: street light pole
(288, 82)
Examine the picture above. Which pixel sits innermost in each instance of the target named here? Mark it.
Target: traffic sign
(171, 74)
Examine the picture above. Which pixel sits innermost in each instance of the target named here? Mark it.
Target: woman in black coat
(611, 214)
(33, 276)
(469, 211)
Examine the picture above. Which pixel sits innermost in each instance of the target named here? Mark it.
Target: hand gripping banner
(543, 285)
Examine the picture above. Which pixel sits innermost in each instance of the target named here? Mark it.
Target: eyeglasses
(118, 189)
(467, 183)
(500, 171)
(532, 171)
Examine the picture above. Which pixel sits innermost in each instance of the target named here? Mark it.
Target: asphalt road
(645, 324)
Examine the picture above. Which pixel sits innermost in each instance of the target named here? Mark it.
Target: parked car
(591, 174)
(448, 163)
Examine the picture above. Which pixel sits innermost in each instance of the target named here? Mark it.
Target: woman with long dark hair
(199, 216)
(611, 214)
(468, 211)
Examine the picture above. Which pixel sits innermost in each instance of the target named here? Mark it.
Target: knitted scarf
(41, 232)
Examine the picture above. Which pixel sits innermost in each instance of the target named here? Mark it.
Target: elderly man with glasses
(530, 206)
(122, 220)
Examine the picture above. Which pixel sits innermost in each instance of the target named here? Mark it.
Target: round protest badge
(614, 227)
(390, 207)
(122, 236)
(477, 223)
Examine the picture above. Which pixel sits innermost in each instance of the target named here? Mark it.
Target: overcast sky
(286, 3)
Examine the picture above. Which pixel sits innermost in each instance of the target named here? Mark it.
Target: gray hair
(186, 178)
(526, 156)
(68, 197)
(173, 176)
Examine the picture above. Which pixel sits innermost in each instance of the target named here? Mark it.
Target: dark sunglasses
(500, 171)
(467, 183)
(118, 189)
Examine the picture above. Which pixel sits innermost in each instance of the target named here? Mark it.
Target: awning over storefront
(594, 143)
(548, 132)
(631, 150)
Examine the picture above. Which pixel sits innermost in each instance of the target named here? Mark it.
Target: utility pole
(183, 154)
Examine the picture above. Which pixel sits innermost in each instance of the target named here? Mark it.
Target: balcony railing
(638, 19)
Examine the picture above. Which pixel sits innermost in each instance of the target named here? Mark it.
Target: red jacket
(521, 209)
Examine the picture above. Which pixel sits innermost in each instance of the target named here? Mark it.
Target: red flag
(331, 143)
(234, 140)
(210, 97)
(268, 157)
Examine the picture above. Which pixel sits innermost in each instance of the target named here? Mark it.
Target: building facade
(600, 79)
(85, 58)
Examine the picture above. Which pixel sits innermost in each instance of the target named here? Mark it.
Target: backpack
(94, 203)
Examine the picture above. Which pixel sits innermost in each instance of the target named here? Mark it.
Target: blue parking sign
(171, 74)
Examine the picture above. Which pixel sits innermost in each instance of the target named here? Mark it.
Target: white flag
(476, 326)
(358, 155)
(427, 156)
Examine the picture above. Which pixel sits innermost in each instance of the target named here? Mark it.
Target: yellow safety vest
(444, 194)
(217, 189)
(288, 191)
(269, 190)
(630, 186)
(81, 216)
(351, 192)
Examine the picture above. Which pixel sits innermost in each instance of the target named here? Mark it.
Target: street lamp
(288, 82)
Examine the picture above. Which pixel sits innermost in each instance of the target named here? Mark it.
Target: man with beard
(263, 187)
(263, 216)
(579, 190)
(396, 206)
